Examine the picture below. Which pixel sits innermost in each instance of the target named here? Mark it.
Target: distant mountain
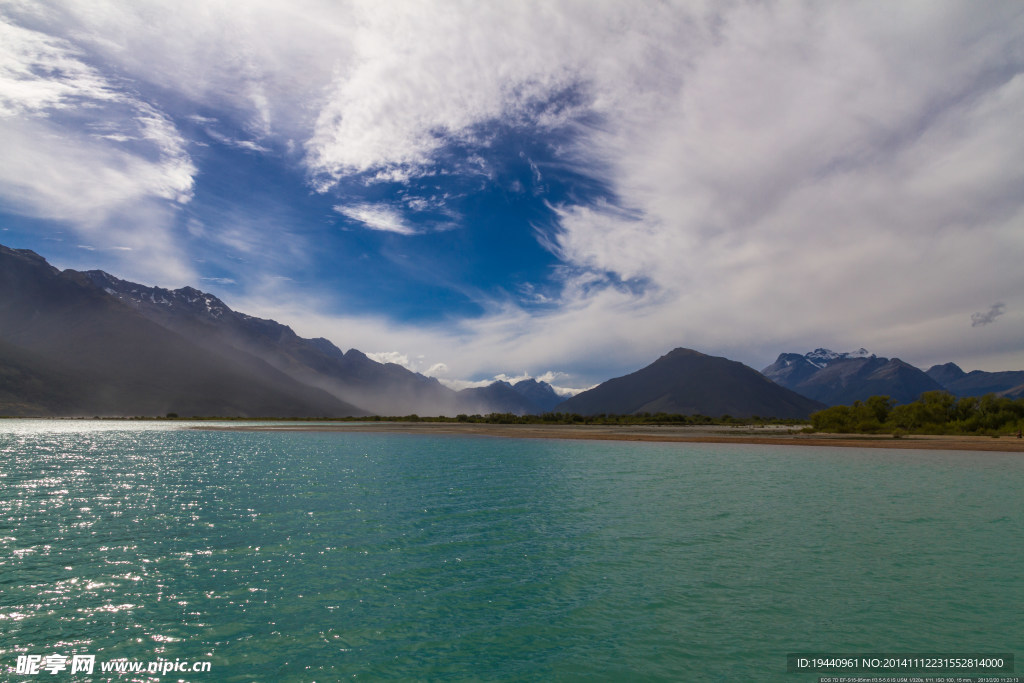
(945, 374)
(541, 396)
(526, 397)
(69, 348)
(978, 383)
(688, 382)
(842, 378)
(498, 397)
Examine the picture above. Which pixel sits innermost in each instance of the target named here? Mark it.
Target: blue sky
(557, 189)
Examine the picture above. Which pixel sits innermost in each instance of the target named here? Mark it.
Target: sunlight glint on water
(302, 556)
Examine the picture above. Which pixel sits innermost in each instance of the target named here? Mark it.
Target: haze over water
(321, 556)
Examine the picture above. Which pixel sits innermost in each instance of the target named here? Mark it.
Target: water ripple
(302, 556)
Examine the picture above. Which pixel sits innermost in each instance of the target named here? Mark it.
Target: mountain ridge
(97, 356)
(214, 360)
(842, 378)
(1009, 383)
(685, 381)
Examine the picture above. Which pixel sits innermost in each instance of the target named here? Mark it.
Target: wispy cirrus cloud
(44, 80)
(81, 148)
(249, 145)
(39, 72)
(219, 280)
(377, 217)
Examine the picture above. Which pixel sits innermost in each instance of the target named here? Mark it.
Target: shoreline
(772, 436)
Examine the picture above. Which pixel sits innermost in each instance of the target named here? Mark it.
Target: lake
(301, 556)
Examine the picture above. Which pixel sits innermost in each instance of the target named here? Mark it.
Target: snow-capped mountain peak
(137, 295)
(819, 358)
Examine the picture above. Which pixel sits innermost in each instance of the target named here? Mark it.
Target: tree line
(935, 412)
(558, 418)
(554, 418)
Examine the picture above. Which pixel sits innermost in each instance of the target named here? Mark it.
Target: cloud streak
(80, 148)
(989, 316)
(382, 218)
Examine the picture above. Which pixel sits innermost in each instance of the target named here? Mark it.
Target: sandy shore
(778, 436)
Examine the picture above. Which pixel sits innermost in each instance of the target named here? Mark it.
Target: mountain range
(842, 378)
(88, 343)
(978, 383)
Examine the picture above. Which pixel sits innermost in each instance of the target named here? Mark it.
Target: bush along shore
(935, 412)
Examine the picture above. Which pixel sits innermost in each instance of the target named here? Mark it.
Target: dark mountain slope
(687, 382)
(31, 386)
(59, 324)
(381, 388)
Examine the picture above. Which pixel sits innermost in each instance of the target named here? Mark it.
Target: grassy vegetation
(935, 412)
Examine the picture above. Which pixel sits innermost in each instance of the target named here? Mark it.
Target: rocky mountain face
(688, 382)
(842, 378)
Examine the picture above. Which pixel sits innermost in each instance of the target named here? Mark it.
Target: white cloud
(39, 72)
(377, 217)
(80, 148)
(422, 75)
(820, 171)
(436, 369)
(773, 163)
(784, 175)
(260, 63)
(51, 172)
(249, 145)
(41, 76)
(391, 357)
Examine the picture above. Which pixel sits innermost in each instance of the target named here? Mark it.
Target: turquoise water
(329, 556)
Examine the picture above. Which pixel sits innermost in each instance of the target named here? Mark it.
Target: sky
(559, 189)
